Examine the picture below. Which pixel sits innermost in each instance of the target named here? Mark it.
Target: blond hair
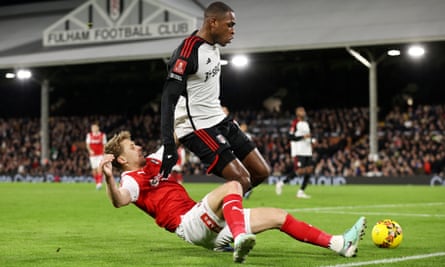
(114, 146)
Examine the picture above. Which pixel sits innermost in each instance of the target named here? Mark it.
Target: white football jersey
(199, 107)
(304, 146)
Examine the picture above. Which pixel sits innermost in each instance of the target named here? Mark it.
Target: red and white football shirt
(162, 198)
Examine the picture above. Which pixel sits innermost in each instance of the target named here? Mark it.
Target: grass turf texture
(74, 225)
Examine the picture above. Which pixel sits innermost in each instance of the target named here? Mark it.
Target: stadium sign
(272, 180)
(100, 21)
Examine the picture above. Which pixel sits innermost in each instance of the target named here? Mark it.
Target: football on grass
(387, 233)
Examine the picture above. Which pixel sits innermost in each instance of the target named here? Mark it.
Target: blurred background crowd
(411, 141)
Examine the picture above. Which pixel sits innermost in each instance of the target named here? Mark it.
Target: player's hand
(169, 159)
(106, 166)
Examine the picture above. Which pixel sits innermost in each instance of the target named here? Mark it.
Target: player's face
(132, 153)
(95, 128)
(224, 29)
(301, 112)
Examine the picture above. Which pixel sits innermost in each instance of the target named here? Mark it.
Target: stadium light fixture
(224, 62)
(24, 74)
(393, 53)
(416, 51)
(10, 75)
(371, 63)
(240, 61)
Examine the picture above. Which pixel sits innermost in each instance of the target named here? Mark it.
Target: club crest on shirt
(155, 180)
(180, 66)
(221, 139)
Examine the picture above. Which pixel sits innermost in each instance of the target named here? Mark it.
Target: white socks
(336, 243)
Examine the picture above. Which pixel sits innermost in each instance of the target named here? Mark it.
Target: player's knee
(277, 218)
(280, 217)
(234, 187)
(261, 174)
(245, 184)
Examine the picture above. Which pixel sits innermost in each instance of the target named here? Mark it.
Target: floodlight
(24, 74)
(240, 61)
(10, 75)
(416, 51)
(393, 52)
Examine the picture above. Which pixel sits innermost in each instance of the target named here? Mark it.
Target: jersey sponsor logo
(211, 224)
(238, 209)
(180, 66)
(212, 73)
(208, 60)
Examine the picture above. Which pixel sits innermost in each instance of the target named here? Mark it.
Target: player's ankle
(336, 243)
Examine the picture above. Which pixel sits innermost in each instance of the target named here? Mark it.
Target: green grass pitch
(75, 225)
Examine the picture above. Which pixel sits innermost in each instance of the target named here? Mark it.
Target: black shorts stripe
(207, 139)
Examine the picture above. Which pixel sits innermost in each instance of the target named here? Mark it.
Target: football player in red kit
(95, 142)
(215, 221)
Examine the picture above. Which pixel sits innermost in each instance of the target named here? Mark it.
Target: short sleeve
(131, 185)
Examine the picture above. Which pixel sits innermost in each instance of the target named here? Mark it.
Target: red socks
(305, 232)
(234, 214)
(98, 178)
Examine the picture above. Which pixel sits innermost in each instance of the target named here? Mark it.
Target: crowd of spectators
(411, 142)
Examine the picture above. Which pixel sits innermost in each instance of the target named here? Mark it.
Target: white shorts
(200, 226)
(95, 161)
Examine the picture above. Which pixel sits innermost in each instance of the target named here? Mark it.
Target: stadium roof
(262, 26)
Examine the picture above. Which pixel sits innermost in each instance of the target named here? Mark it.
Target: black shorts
(218, 145)
(302, 162)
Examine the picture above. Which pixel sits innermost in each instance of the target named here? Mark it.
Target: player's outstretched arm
(119, 196)
(170, 95)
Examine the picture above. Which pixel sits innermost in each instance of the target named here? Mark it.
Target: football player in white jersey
(301, 151)
(192, 111)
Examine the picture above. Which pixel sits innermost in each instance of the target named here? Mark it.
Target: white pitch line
(371, 206)
(375, 213)
(380, 213)
(408, 258)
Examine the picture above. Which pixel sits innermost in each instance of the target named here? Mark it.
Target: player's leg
(245, 150)
(226, 202)
(95, 171)
(306, 170)
(235, 170)
(262, 219)
(99, 176)
(257, 166)
(216, 154)
(290, 175)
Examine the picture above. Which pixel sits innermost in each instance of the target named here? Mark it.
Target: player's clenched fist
(169, 159)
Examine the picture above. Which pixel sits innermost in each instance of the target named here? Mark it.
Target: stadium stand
(411, 141)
